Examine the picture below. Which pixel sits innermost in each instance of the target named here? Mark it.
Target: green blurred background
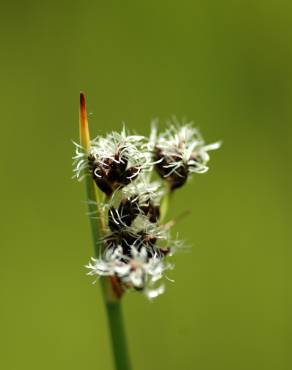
(225, 64)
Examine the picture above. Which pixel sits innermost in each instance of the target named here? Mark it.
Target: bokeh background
(227, 65)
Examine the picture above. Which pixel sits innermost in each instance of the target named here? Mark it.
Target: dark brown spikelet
(126, 213)
(121, 238)
(112, 174)
(129, 175)
(121, 235)
(129, 210)
(177, 178)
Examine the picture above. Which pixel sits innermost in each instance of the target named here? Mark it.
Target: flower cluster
(180, 151)
(136, 244)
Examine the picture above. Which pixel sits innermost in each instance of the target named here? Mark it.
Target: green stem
(93, 214)
(164, 205)
(113, 307)
(118, 336)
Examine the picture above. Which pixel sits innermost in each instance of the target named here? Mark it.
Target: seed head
(136, 245)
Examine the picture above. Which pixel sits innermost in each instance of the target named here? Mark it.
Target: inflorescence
(136, 242)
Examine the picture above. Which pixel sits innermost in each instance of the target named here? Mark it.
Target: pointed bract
(83, 124)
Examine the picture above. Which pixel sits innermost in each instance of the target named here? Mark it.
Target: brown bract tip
(82, 98)
(84, 131)
(83, 114)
